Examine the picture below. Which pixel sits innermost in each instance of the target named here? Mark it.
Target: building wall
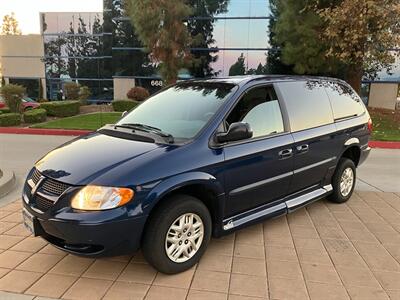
(122, 86)
(383, 95)
(21, 56)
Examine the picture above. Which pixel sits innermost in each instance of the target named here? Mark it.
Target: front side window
(183, 109)
(259, 107)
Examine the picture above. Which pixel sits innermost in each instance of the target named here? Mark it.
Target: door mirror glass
(124, 114)
(237, 131)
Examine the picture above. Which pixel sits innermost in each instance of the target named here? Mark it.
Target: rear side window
(345, 102)
(307, 104)
(259, 107)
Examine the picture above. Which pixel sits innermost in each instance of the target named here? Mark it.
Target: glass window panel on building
(247, 8)
(241, 33)
(231, 62)
(31, 85)
(393, 72)
(132, 63)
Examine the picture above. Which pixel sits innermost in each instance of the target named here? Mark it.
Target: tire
(342, 195)
(170, 212)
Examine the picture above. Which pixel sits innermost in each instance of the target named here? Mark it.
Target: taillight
(370, 125)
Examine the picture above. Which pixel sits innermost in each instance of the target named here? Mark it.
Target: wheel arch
(200, 185)
(352, 152)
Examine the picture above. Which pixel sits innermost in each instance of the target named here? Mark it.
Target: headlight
(93, 197)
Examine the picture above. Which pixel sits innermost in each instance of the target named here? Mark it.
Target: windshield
(181, 110)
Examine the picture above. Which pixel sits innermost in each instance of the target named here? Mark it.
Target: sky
(27, 11)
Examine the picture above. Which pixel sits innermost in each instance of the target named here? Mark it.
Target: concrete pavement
(324, 251)
(19, 152)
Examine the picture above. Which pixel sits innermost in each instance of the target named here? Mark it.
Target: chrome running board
(269, 211)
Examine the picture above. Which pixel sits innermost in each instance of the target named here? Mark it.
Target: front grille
(49, 187)
(35, 176)
(43, 204)
(54, 187)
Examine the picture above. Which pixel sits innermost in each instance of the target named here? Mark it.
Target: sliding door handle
(286, 153)
(302, 148)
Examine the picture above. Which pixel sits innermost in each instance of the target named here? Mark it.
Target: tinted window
(260, 108)
(181, 110)
(307, 104)
(345, 102)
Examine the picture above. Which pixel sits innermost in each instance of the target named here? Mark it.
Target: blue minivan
(200, 158)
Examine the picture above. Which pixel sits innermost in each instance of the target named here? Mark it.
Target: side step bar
(268, 211)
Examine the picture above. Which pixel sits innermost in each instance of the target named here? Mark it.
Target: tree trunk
(354, 77)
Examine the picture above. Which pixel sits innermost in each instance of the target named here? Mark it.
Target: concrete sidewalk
(324, 251)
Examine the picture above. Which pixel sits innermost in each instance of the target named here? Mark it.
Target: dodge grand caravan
(200, 158)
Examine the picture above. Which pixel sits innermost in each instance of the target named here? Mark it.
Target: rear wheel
(343, 181)
(177, 234)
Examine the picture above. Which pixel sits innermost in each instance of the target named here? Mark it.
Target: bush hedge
(10, 119)
(123, 105)
(35, 115)
(13, 94)
(61, 108)
(71, 90)
(5, 110)
(138, 93)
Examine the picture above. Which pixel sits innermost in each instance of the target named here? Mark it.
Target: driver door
(257, 170)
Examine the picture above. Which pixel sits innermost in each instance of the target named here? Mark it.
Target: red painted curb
(40, 131)
(384, 145)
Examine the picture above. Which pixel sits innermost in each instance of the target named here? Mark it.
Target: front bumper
(92, 234)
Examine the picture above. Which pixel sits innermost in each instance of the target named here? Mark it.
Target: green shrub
(72, 90)
(35, 115)
(138, 93)
(84, 94)
(61, 108)
(123, 105)
(13, 94)
(5, 110)
(10, 119)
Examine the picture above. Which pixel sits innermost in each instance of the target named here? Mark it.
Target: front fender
(178, 181)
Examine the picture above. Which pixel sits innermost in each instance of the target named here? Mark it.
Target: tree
(297, 31)
(13, 94)
(10, 25)
(274, 64)
(360, 34)
(238, 68)
(159, 26)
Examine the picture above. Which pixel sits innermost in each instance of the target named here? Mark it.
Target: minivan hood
(80, 161)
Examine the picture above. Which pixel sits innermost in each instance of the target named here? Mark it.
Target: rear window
(345, 102)
(307, 104)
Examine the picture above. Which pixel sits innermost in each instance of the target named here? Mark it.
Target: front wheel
(177, 234)
(343, 181)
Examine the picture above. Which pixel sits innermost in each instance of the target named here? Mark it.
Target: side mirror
(124, 114)
(237, 131)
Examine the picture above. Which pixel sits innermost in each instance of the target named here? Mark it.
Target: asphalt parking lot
(324, 251)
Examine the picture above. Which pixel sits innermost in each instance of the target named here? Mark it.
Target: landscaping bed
(386, 124)
(91, 121)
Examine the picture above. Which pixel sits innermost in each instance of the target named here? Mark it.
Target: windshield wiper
(147, 128)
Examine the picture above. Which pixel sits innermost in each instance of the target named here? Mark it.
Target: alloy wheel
(346, 182)
(184, 237)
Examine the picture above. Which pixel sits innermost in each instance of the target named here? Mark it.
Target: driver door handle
(286, 153)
